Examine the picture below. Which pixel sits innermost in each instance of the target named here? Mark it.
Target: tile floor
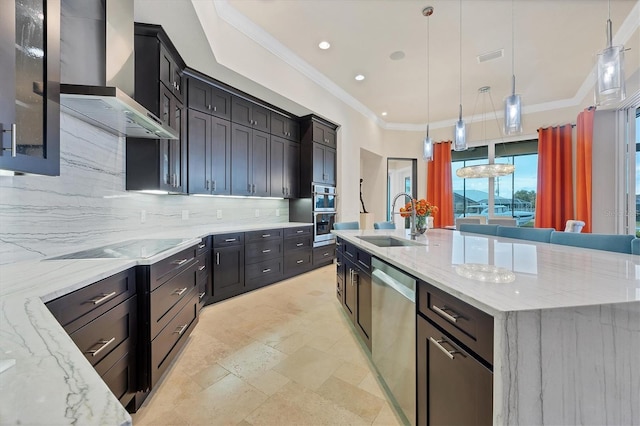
(281, 355)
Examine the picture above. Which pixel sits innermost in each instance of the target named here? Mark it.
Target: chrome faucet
(413, 231)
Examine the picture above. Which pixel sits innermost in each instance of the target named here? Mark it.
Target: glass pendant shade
(512, 115)
(460, 136)
(610, 87)
(427, 149)
(485, 170)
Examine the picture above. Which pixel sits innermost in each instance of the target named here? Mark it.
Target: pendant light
(610, 84)
(427, 144)
(512, 103)
(491, 169)
(460, 133)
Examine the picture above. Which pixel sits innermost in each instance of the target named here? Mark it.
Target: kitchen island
(566, 320)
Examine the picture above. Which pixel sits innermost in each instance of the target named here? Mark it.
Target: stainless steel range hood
(97, 69)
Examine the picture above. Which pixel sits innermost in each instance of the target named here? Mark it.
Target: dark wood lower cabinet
(228, 272)
(453, 386)
(363, 306)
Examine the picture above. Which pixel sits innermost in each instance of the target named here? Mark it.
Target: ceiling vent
(489, 56)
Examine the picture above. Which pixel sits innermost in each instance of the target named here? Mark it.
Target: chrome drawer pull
(201, 246)
(338, 264)
(102, 298)
(181, 329)
(201, 268)
(325, 254)
(299, 261)
(452, 318)
(104, 344)
(266, 251)
(439, 346)
(300, 231)
(264, 271)
(179, 262)
(266, 235)
(338, 244)
(179, 292)
(202, 295)
(299, 244)
(229, 240)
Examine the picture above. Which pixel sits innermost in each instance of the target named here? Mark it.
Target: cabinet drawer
(170, 297)
(469, 325)
(350, 251)
(267, 234)
(168, 343)
(224, 240)
(262, 273)
(75, 309)
(202, 292)
(297, 261)
(297, 243)
(204, 246)
(323, 254)
(166, 269)
(104, 334)
(363, 260)
(339, 245)
(202, 266)
(262, 250)
(298, 231)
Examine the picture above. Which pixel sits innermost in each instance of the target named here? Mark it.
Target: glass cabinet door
(29, 88)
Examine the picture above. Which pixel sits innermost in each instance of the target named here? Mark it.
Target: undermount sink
(387, 241)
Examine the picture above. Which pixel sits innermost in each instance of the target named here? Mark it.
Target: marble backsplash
(87, 205)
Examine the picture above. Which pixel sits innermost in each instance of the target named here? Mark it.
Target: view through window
(637, 172)
(514, 195)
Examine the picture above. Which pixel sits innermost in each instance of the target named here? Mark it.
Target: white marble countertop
(51, 381)
(535, 275)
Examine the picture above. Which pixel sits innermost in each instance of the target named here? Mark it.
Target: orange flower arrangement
(423, 210)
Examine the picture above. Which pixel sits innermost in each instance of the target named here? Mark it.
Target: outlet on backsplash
(143, 216)
(277, 212)
(218, 214)
(257, 212)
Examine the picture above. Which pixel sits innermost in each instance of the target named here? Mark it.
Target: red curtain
(554, 203)
(583, 168)
(439, 184)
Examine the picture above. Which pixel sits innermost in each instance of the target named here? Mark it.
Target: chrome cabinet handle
(181, 329)
(229, 240)
(450, 354)
(299, 261)
(102, 298)
(253, 189)
(299, 231)
(206, 184)
(299, 244)
(441, 311)
(179, 262)
(264, 271)
(201, 295)
(214, 186)
(201, 246)
(104, 344)
(249, 188)
(326, 254)
(338, 244)
(179, 292)
(266, 235)
(14, 140)
(215, 108)
(338, 264)
(201, 268)
(217, 258)
(266, 251)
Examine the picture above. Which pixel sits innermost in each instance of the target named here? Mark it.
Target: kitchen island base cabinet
(357, 288)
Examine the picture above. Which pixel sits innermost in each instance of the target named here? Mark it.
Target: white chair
(483, 219)
(460, 220)
(503, 221)
(574, 226)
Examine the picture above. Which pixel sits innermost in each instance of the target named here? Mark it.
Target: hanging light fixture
(491, 169)
(427, 144)
(512, 103)
(460, 132)
(610, 85)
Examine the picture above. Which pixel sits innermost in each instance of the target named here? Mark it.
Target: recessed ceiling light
(359, 77)
(396, 56)
(324, 45)
(384, 113)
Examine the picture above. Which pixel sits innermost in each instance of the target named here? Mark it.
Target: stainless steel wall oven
(324, 198)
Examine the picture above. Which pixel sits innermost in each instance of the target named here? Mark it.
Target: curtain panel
(440, 184)
(584, 157)
(554, 203)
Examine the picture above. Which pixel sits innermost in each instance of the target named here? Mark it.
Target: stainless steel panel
(393, 319)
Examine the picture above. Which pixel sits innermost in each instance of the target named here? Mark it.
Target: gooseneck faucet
(413, 231)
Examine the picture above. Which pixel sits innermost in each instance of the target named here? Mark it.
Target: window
(514, 195)
(637, 172)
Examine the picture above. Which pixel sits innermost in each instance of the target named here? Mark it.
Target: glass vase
(421, 224)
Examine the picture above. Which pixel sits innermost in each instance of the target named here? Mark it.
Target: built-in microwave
(323, 224)
(324, 198)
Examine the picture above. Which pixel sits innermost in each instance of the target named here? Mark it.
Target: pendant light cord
(513, 49)
(460, 59)
(428, 76)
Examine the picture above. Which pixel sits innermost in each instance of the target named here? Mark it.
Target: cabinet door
(350, 290)
(178, 152)
(363, 306)
(329, 166)
(340, 280)
(260, 165)
(292, 170)
(260, 118)
(452, 388)
(277, 164)
(199, 143)
(293, 132)
(199, 95)
(220, 157)
(228, 272)
(278, 125)
(241, 140)
(318, 162)
(166, 68)
(220, 103)
(29, 87)
(241, 111)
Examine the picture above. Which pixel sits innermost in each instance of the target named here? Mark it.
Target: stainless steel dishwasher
(393, 339)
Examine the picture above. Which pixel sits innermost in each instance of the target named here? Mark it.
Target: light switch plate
(218, 214)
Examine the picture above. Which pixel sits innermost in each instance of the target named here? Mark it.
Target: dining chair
(609, 242)
(461, 220)
(384, 225)
(343, 226)
(635, 246)
(502, 221)
(574, 226)
(477, 228)
(542, 235)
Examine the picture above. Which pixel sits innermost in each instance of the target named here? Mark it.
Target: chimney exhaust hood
(97, 69)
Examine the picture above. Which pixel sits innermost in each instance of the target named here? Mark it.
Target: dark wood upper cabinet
(249, 114)
(324, 134)
(171, 73)
(260, 164)
(285, 127)
(285, 168)
(209, 154)
(250, 163)
(317, 153)
(209, 99)
(30, 86)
